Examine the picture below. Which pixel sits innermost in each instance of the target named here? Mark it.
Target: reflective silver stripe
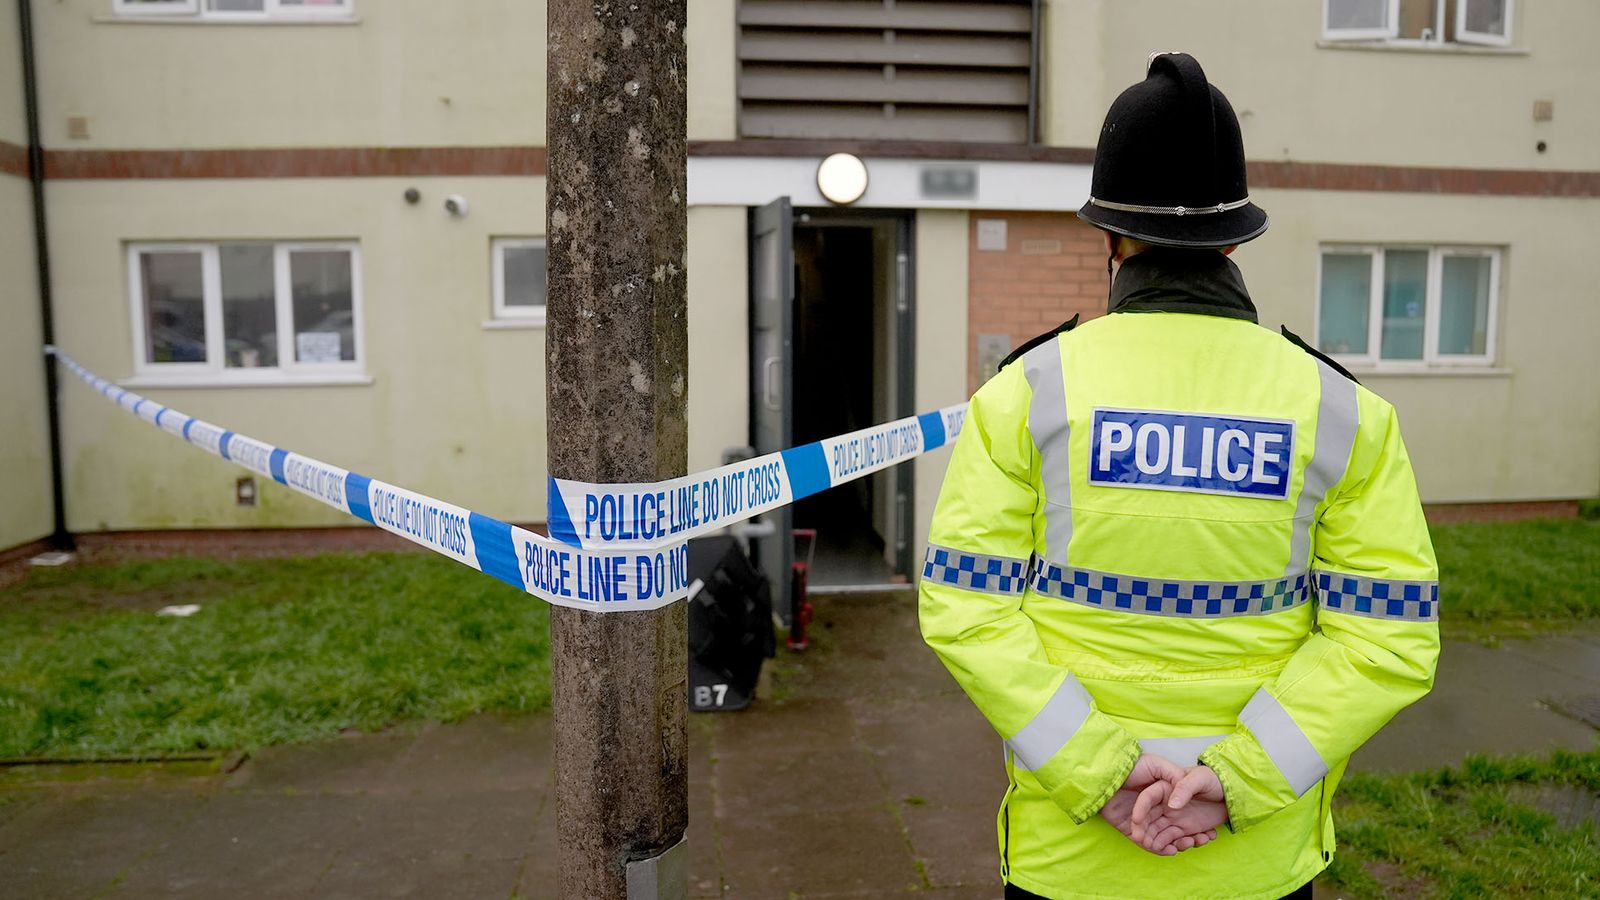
(1378, 598)
(1171, 210)
(1047, 422)
(1185, 751)
(1002, 575)
(1166, 597)
(1041, 739)
(1337, 420)
(1291, 751)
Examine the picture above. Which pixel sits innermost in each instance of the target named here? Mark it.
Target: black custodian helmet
(1169, 168)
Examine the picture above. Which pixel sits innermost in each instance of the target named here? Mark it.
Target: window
(1408, 305)
(237, 10)
(1421, 22)
(519, 279)
(246, 310)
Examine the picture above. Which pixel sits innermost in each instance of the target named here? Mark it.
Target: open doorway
(852, 365)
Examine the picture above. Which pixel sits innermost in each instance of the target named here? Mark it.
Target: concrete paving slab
(265, 845)
(769, 729)
(964, 893)
(1485, 700)
(812, 853)
(937, 748)
(791, 783)
(537, 880)
(955, 844)
(349, 764)
(76, 844)
(433, 845)
(869, 644)
(506, 753)
(705, 864)
(1574, 657)
(15, 804)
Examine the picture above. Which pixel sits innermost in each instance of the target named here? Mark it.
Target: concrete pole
(617, 378)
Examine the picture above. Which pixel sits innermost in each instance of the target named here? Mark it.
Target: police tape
(645, 515)
(615, 569)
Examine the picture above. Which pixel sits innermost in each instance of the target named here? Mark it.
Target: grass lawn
(283, 650)
(1505, 578)
(1473, 831)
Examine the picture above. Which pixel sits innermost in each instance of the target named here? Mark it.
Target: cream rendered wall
(713, 70)
(13, 120)
(1529, 430)
(454, 410)
(1303, 102)
(406, 73)
(1072, 82)
(719, 334)
(941, 326)
(25, 511)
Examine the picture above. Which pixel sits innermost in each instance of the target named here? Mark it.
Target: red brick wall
(1052, 267)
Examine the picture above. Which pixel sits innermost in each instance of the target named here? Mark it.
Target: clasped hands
(1166, 808)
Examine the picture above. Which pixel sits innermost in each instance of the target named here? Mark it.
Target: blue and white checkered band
(1378, 598)
(1003, 575)
(1162, 597)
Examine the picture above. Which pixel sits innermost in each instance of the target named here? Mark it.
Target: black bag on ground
(730, 625)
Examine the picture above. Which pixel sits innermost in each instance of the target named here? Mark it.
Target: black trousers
(1015, 893)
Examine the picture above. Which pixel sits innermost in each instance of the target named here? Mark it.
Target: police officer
(1179, 561)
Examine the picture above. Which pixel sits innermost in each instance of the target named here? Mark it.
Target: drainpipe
(60, 537)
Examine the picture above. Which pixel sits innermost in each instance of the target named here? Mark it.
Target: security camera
(455, 205)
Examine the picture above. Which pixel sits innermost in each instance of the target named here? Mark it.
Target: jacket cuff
(1249, 801)
(1090, 768)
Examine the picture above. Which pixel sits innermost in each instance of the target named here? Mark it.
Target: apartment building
(320, 222)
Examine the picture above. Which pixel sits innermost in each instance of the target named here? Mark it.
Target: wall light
(842, 178)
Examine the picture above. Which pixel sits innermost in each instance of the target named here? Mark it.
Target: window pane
(1486, 16)
(1405, 288)
(1417, 20)
(525, 276)
(174, 307)
(249, 309)
(1346, 302)
(236, 5)
(324, 306)
(1353, 14)
(1464, 306)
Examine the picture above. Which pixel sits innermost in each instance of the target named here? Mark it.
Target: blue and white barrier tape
(630, 551)
(647, 515)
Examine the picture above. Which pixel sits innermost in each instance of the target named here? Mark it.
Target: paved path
(865, 773)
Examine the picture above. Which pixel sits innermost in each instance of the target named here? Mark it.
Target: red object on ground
(800, 610)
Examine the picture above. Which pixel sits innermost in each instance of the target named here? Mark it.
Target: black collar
(1168, 279)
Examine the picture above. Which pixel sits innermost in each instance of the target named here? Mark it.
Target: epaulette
(1294, 339)
(1016, 354)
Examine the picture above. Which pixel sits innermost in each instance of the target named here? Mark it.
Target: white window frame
(1390, 34)
(1483, 37)
(155, 8)
(531, 315)
(271, 11)
(215, 369)
(1433, 308)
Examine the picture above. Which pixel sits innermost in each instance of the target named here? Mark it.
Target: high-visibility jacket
(1185, 535)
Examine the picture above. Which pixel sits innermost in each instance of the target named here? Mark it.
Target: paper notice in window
(317, 346)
